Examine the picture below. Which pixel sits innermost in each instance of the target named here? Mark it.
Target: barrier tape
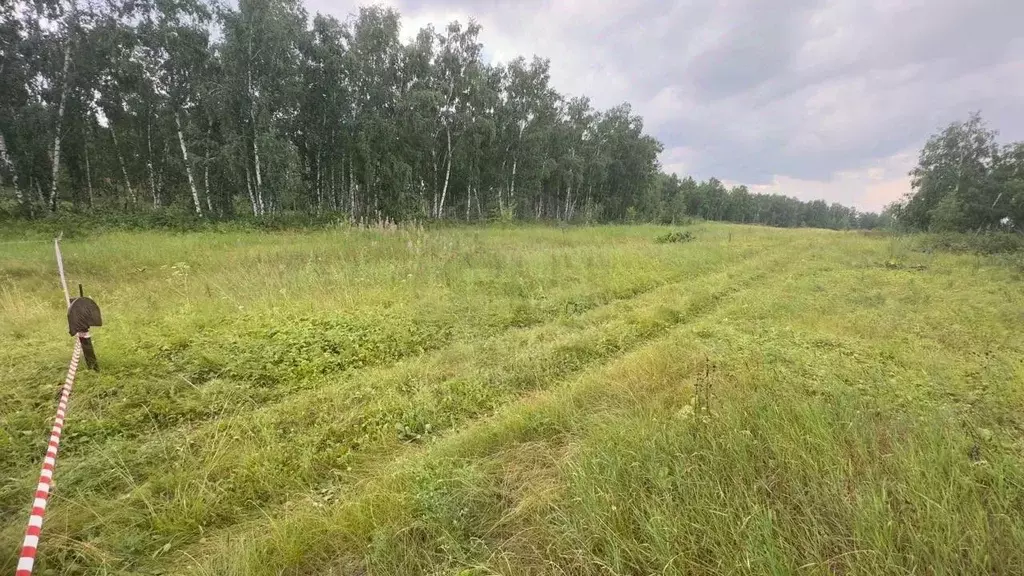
(35, 521)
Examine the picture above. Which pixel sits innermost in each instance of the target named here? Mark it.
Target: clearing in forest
(519, 401)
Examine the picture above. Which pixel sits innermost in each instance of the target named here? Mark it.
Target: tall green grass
(524, 401)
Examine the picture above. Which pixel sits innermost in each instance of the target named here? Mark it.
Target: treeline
(966, 182)
(256, 108)
(672, 199)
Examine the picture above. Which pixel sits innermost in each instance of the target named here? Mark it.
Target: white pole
(60, 268)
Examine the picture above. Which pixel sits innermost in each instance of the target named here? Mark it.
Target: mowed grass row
(819, 359)
(174, 488)
(129, 497)
(198, 323)
(825, 423)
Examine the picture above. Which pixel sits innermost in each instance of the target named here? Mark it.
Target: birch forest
(223, 110)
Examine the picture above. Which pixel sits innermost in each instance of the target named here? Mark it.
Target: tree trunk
(248, 188)
(188, 168)
(319, 181)
(351, 192)
(160, 180)
(120, 161)
(369, 189)
(256, 168)
(258, 192)
(334, 189)
(206, 173)
(447, 176)
(343, 187)
(335, 199)
(433, 182)
(88, 173)
(6, 160)
(960, 172)
(568, 200)
(149, 161)
(512, 188)
(60, 109)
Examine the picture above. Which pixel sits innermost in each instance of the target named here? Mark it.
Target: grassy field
(519, 401)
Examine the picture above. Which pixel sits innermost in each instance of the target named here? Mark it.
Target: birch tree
(65, 83)
(262, 59)
(212, 107)
(952, 173)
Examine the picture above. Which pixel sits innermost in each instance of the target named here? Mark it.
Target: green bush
(74, 224)
(675, 237)
(983, 243)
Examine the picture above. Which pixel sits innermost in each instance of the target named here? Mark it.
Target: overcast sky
(816, 99)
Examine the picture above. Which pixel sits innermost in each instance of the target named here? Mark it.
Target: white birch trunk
(335, 200)
(512, 188)
(88, 173)
(319, 182)
(258, 177)
(501, 189)
(120, 161)
(188, 167)
(515, 164)
(258, 192)
(149, 162)
(60, 110)
(568, 201)
(248, 188)
(433, 183)
(206, 174)
(206, 185)
(447, 175)
(6, 160)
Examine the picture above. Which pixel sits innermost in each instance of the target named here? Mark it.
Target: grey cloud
(757, 46)
(754, 89)
(896, 78)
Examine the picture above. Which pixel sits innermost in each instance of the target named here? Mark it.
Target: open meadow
(521, 401)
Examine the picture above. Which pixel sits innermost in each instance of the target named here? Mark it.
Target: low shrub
(675, 237)
(983, 243)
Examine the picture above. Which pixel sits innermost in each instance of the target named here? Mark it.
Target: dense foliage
(225, 109)
(672, 200)
(965, 181)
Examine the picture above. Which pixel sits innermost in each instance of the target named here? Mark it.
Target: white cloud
(814, 98)
(868, 188)
(677, 160)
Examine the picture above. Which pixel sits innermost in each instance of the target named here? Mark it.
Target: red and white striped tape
(35, 521)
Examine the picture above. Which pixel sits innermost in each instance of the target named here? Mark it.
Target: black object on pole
(84, 313)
